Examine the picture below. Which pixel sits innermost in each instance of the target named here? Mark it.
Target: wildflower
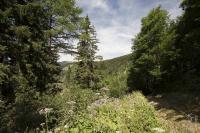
(66, 126)
(71, 102)
(41, 111)
(50, 132)
(48, 110)
(97, 94)
(45, 111)
(71, 111)
(159, 130)
(42, 124)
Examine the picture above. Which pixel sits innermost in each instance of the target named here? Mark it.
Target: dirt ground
(180, 112)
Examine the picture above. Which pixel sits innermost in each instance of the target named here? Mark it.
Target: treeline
(166, 53)
(32, 33)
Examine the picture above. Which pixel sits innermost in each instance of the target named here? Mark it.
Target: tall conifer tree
(32, 34)
(86, 75)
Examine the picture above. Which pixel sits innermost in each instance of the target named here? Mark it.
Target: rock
(99, 102)
(158, 96)
(104, 89)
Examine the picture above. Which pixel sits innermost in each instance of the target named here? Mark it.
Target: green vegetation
(115, 73)
(129, 114)
(30, 39)
(146, 70)
(37, 94)
(165, 54)
(86, 75)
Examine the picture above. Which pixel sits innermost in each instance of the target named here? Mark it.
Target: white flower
(71, 102)
(45, 111)
(41, 111)
(42, 124)
(66, 126)
(97, 94)
(48, 110)
(159, 130)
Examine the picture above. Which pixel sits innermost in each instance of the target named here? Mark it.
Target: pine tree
(86, 75)
(32, 34)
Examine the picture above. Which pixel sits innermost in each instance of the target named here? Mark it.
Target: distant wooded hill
(110, 66)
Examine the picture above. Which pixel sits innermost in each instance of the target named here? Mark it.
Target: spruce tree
(32, 34)
(86, 75)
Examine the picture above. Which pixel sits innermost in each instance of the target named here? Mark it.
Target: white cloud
(99, 4)
(112, 42)
(174, 13)
(118, 21)
(94, 4)
(66, 57)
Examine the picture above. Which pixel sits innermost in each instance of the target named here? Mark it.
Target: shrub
(117, 84)
(129, 114)
(68, 104)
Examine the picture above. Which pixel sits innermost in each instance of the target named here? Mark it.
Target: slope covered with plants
(38, 94)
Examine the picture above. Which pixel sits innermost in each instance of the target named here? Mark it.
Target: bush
(67, 104)
(130, 114)
(117, 84)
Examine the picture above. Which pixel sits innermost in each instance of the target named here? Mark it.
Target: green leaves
(129, 114)
(146, 70)
(167, 51)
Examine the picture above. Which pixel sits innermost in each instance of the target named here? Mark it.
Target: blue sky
(118, 21)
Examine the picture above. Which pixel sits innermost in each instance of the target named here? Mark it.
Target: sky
(118, 21)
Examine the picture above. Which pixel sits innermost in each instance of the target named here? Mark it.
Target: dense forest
(40, 94)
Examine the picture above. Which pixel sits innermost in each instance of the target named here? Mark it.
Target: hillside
(115, 65)
(113, 73)
(65, 63)
(177, 116)
(110, 66)
(180, 115)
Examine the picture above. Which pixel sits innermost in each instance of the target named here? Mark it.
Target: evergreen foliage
(187, 41)
(165, 57)
(86, 75)
(31, 35)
